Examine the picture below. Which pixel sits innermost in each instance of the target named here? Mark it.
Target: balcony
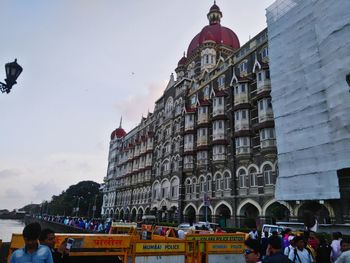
(189, 126)
(263, 85)
(243, 150)
(188, 147)
(149, 146)
(219, 157)
(188, 166)
(202, 141)
(265, 116)
(267, 143)
(219, 136)
(241, 98)
(242, 125)
(203, 118)
(218, 111)
(202, 162)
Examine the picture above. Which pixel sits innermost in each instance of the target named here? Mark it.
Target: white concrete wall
(309, 48)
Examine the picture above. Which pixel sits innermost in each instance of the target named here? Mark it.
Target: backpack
(296, 254)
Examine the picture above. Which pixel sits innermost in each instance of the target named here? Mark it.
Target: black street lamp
(13, 70)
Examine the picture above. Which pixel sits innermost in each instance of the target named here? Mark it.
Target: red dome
(119, 132)
(217, 33)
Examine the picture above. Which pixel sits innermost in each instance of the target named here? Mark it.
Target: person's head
(275, 243)
(337, 235)
(252, 251)
(47, 237)
(323, 241)
(274, 233)
(291, 240)
(266, 234)
(299, 242)
(345, 244)
(31, 234)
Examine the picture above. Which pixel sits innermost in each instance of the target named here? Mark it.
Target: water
(9, 226)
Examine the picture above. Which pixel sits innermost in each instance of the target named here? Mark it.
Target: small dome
(182, 61)
(118, 133)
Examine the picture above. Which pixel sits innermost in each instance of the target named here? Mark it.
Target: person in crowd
(285, 235)
(274, 251)
(345, 251)
(254, 234)
(181, 234)
(252, 251)
(337, 237)
(32, 251)
(291, 245)
(219, 230)
(323, 252)
(313, 240)
(47, 238)
(300, 254)
(264, 243)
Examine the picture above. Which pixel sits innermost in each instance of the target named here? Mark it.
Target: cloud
(136, 105)
(12, 193)
(45, 190)
(7, 173)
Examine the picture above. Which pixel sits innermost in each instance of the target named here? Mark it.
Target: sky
(85, 64)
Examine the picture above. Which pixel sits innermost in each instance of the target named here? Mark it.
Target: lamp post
(94, 207)
(13, 70)
(77, 209)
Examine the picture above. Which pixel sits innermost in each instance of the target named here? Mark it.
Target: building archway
(190, 214)
(320, 211)
(223, 215)
(276, 212)
(140, 214)
(133, 215)
(249, 215)
(121, 215)
(202, 213)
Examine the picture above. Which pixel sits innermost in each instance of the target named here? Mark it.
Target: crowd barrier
(133, 248)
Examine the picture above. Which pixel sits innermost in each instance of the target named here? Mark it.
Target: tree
(83, 193)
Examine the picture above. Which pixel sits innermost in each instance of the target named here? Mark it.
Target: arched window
(268, 176)
(174, 191)
(202, 184)
(194, 185)
(188, 186)
(253, 177)
(227, 180)
(242, 178)
(219, 182)
(209, 182)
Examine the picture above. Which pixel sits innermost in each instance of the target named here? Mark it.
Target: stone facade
(208, 150)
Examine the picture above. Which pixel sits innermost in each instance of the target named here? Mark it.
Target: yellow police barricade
(169, 251)
(218, 248)
(94, 247)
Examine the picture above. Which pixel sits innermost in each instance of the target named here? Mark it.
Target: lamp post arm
(3, 88)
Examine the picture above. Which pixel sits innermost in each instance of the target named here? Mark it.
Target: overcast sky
(86, 63)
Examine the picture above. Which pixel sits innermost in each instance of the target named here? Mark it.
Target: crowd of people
(288, 247)
(91, 224)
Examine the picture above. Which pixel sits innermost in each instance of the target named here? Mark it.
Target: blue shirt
(41, 255)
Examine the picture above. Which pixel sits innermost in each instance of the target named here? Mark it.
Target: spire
(214, 15)
(121, 119)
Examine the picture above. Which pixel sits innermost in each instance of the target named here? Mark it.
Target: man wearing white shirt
(300, 254)
(345, 248)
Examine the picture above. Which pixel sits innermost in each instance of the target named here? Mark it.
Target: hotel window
(206, 92)
(193, 100)
(221, 80)
(243, 67)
